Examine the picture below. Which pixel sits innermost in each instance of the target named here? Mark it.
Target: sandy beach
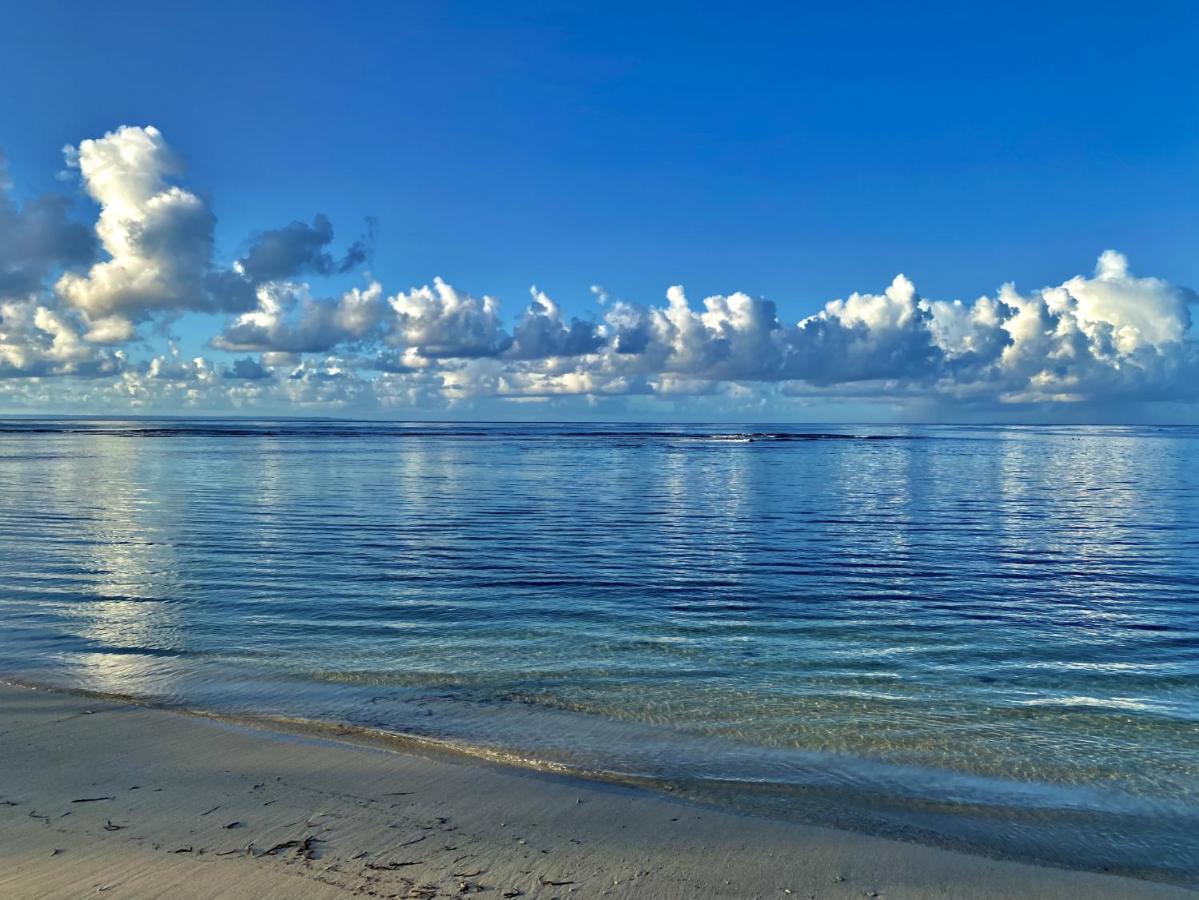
(101, 797)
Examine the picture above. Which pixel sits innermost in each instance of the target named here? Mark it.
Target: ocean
(979, 637)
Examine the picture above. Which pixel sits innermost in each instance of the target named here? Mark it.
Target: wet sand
(116, 800)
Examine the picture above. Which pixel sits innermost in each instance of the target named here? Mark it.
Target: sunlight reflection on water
(965, 633)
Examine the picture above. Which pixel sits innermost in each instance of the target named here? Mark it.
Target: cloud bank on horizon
(77, 303)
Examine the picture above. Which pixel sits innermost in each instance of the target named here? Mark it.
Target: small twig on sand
(214, 809)
(90, 799)
(109, 825)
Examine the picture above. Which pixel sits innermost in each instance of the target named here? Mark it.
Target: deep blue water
(983, 637)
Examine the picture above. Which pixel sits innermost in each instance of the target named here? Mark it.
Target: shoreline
(112, 796)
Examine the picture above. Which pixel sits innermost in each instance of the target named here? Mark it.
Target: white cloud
(441, 322)
(542, 332)
(158, 236)
(37, 341)
(289, 319)
(37, 238)
(1109, 337)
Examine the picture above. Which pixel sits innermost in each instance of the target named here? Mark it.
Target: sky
(702, 211)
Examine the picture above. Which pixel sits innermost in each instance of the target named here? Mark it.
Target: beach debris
(415, 840)
(34, 814)
(474, 874)
(209, 812)
(280, 847)
(359, 855)
(110, 825)
(9, 803)
(56, 851)
(90, 799)
(307, 848)
(548, 883)
(187, 849)
(233, 824)
(392, 866)
(515, 892)
(304, 848)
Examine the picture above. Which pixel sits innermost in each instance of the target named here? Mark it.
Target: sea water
(982, 637)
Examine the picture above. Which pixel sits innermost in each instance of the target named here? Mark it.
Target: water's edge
(708, 795)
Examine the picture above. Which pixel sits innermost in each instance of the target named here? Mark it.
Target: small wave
(370, 430)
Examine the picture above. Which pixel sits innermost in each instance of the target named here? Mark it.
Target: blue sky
(794, 154)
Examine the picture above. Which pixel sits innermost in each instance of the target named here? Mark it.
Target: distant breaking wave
(317, 429)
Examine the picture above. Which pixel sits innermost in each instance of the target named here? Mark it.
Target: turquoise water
(981, 637)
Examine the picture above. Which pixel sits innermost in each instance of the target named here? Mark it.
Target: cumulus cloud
(441, 322)
(289, 320)
(247, 369)
(36, 341)
(36, 239)
(1109, 336)
(298, 249)
(159, 239)
(542, 332)
(158, 236)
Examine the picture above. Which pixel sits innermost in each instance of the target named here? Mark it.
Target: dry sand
(103, 798)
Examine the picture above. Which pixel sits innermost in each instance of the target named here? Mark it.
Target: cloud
(247, 369)
(289, 320)
(158, 236)
(1090, 342)
(36, 239)
(541, 332)
(298, 249)
(441, 322)
(36, 341)
(159, 239)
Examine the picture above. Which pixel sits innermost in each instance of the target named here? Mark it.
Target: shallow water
(984, 637)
